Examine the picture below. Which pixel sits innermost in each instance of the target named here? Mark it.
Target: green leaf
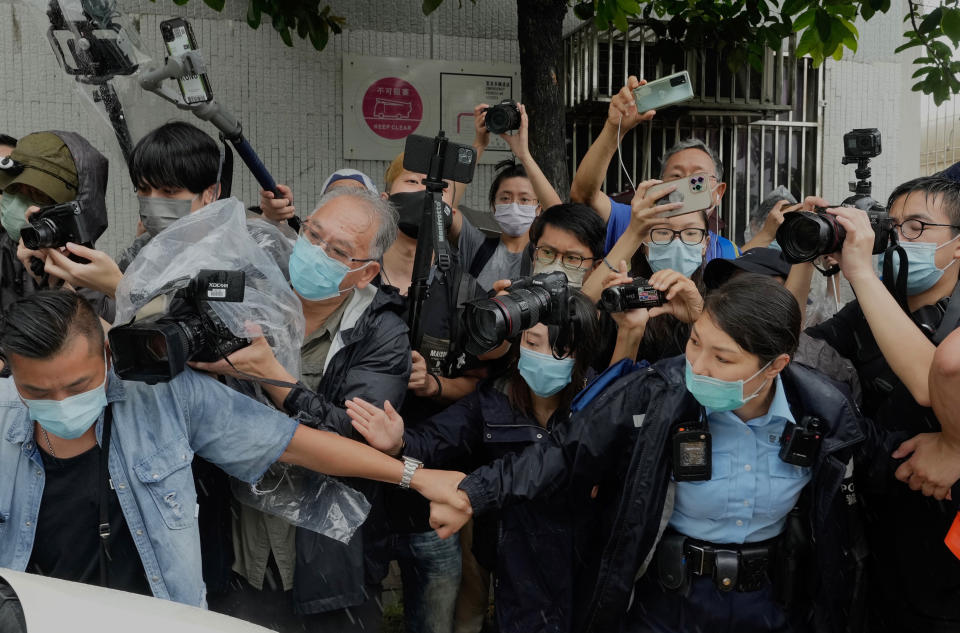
(285, 36)
(253, 15)
(805, 20)
(584, 10)
(909, 44)
(808, 42)
(824, 24)
(950, 23)
(630, 7)
(620, 21)
(923, 71)
(838, 53)
(180, 3)
(216, 5)
(793, 7)
(866, 12)
(429, 6)
(931, 21)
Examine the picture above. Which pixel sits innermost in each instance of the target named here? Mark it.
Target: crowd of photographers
(663, 431)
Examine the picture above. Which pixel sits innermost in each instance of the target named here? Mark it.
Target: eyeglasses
(310, 232)
(690, 237)
(546, 255)
(912, 229)
(508, 199)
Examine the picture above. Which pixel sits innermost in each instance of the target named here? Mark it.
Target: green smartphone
(663, 92)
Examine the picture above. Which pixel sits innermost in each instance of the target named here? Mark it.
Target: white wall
(289, 100)
(872, 89)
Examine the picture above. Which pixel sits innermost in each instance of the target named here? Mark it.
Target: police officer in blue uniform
(715, 479)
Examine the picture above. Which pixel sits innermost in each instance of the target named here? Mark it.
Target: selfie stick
(429, 241)
(97, 62)
(191, 63)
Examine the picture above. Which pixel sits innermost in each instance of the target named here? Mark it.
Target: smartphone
(178, 36)
(459, 160)
(663, 92)
(693, 191)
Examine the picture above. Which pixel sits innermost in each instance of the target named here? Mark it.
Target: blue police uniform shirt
(751, 490)
(718, 248)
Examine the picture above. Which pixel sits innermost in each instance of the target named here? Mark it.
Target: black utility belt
(746, 567)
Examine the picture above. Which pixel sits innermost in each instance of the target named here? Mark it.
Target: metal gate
(940, 140)
(766, 125)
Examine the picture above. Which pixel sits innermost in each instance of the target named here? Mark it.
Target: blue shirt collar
(779, 408)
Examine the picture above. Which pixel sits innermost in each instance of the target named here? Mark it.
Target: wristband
(439, 393)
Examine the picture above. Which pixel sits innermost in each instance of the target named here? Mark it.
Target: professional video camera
(54, 226)
(631, 296)
(503, 117)
(157, 348)
(806, 235)
(542, 298)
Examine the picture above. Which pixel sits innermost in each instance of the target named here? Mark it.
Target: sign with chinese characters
(385, 99)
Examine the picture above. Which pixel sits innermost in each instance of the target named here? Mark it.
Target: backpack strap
(483, 255)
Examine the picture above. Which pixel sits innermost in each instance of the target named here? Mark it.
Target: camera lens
(41, 234)
(491, 321)
(804, 236)
(502, 118)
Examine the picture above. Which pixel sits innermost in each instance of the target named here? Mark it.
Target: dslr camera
(54, 226)
(157, 348)
(503, 117)
(804, 236)
(631, 296)
(542, 298)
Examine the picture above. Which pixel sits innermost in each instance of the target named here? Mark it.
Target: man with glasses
(915, 580)
(568, 238)
(292, 579)
(690, 157)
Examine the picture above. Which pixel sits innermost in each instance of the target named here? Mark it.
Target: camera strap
(896, 284)
(103, 528)
(950, 319)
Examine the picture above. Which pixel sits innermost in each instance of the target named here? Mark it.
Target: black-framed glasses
(690, 237)
(546, 255)
(913, 228)
(309, 231)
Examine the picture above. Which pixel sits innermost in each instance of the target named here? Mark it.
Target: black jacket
(374, 364)
(620, 442)
(529, 545)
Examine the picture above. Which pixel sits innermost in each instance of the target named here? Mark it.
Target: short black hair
(38, 326)
(758, 313)
(933, 186)
(180, 155)
(512, 170)
(9, 141)
(578, 219)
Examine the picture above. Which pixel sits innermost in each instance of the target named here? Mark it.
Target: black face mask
(409, 206)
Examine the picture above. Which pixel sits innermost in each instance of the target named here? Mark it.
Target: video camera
(54, 226)
(157, 348)
(631, 296)
(503, 117)
(542, 298)
(806, 235)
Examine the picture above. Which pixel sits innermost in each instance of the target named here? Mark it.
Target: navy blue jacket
(529, 545)
(620, 442)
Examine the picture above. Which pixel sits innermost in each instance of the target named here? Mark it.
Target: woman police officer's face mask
(720, 395)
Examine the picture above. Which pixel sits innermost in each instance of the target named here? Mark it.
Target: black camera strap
(950, 319)
(103, 529)
(896, 284)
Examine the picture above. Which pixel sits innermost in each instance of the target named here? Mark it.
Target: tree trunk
(540, 35)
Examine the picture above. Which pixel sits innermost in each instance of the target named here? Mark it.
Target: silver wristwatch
(410, 466)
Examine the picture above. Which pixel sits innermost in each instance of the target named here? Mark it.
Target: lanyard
(104, 479)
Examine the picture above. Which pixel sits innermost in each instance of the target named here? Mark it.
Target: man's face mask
(409, 206)
(13, 213)
(159, 213)
(71, 417)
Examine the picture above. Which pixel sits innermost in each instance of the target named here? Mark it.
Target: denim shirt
(751, 489)
(156, 431)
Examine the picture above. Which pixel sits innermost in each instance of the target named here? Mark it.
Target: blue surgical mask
(775, 246)
(720, 395)
(314, 274)
(71, 417)
(13, 213)
(922, 272)
(683, 258)
(544, 374)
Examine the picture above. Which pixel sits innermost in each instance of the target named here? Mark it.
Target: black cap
(765, 261)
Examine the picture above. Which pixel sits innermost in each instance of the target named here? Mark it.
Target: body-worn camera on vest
(631, 296)
(157, 348)
(54, 226)
(800, 443)
(542, 298)
(503, 117)
(692, 451)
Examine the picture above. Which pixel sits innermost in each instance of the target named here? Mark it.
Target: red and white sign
(392, 108)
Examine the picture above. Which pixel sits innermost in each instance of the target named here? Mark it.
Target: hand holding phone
(693, 191)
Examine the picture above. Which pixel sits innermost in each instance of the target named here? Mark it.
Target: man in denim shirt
(58, 507)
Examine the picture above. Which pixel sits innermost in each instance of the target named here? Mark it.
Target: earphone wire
(620, 156)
